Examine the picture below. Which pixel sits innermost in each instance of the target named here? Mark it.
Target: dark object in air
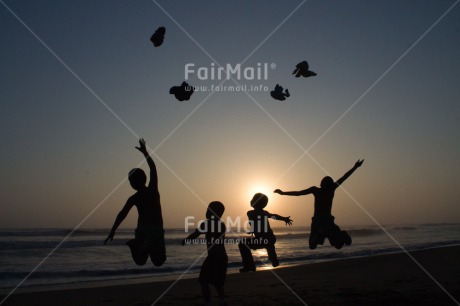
(182, 92)
(278, 93)
(158, 37)
(302, 70)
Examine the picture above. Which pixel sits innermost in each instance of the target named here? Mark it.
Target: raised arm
(349, 172)
(295, 193)
(120, 217)
(153, 169)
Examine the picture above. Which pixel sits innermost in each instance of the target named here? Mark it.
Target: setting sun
(259, 188)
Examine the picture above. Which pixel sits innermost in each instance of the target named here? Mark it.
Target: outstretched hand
(288, 220)
(142, 146)
(279, 191)
(359, 163)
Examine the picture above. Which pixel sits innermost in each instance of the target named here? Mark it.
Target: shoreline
(376, 280)
(86, 284)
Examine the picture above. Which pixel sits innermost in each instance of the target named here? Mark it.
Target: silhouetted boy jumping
(214, 268)
(263, 235)
(323, 225)
(149, 234)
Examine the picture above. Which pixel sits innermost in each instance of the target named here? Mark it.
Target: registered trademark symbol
(272, 65)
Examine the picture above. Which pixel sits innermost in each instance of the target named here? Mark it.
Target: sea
(42, 257)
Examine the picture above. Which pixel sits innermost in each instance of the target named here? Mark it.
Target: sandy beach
(393, 279)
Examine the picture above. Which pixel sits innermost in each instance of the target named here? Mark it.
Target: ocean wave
(64, 242)
(361, 232)
(59, 232)
(316, 257)
(33, 245)
(68, 233)
(23, 239)
(365, 232)
(119, 273)
(404, 228)
(309, 257)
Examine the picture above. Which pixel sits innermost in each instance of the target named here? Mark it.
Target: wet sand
(392, 279)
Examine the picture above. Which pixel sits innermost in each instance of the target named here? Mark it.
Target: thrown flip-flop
(278, 93)
(158, 37)
(182, 92)
(302, 70)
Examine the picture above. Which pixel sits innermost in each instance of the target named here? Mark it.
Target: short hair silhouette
(323, 222)
(149, 234)
(214, 268)
(327, 182)
(259, 201)
(137, 178)
(263, 236)
(215, 210)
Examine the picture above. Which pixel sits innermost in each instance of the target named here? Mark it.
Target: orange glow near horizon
(258, 188)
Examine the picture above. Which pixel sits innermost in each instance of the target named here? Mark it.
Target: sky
(80, 82)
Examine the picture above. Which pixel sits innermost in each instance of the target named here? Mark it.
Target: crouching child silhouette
(263, 237)
(214, 268)
(322, 225)
(149, 234)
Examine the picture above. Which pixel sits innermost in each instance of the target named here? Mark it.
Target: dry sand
(393, 279)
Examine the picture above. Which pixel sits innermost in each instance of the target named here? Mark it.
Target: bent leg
(271, 251)
(346, 238)
(246, 256)
(158, 251)
(336, 241)
(312, 242)
(158, 255)
(317, 236)
(336, 237)
(138, 251)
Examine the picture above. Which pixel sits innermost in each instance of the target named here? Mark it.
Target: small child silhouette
(214, 268)
(323, 225)
(263, 234)
(149, 234)
(278, 93)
